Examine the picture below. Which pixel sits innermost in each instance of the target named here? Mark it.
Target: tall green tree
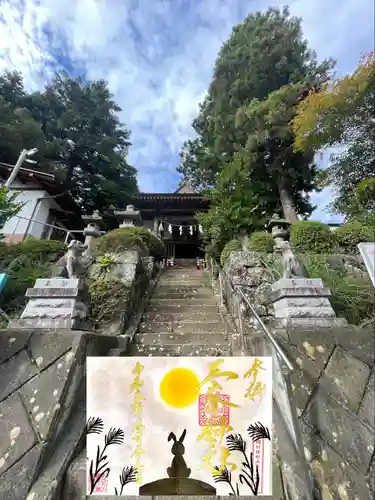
(80, 138)
(260, 74)
(343, 114)
(18, 129)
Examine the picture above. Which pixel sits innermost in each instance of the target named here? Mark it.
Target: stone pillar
(92, 230)
(129, 217)
(55, 303)
(156, 226)
(303, 302)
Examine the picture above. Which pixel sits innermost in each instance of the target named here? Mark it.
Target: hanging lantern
(161, 227)
(180, 229)
(170, 228)
(191, 230)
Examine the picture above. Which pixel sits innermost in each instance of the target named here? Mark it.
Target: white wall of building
(34, 208)
(17, 225)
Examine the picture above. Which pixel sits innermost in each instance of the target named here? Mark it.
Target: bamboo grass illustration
(258, 431)
(249, 474)
(94, 425)
(128, 475)
(99, 468)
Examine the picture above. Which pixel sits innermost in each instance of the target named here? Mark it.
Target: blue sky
(157, 56)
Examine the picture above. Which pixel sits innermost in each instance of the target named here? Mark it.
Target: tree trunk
(287, 202)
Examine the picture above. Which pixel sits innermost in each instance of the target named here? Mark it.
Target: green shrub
(350, 234)
(129, 238)
(231, 246)
(261, 241)
(25, 262)
(352, 296)
(35, 249)
(312, 236)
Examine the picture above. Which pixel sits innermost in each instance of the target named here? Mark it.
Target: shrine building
(172, 217)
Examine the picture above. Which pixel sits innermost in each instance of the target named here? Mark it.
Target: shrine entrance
(185, 250)
(172, 217)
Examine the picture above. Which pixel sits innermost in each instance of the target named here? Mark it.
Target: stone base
(309, 322)
(50, 324)
(55, 303)
(303, 302)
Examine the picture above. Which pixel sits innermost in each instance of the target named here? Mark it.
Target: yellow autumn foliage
(325, 117)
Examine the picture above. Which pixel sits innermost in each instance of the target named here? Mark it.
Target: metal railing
(290, 440)
(66, 234)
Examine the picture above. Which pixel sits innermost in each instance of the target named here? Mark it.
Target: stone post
(92, 230)
(303, 302)
(156, 226)
(55, 303)
(129, 217)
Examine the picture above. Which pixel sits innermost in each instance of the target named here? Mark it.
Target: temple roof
(185, 188)
(53, 187)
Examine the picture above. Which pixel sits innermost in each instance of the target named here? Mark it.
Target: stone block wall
(42, 406)
(333, 386)
(248, 270)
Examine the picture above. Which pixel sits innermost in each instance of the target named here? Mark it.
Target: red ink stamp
(258, 460)
(101, 486)
(221, 413)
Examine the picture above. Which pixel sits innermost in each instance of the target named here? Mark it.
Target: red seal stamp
(258, 460)
(213, 413)
(101, 486)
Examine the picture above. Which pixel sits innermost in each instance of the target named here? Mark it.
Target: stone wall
(43, 384)
(333, 385)
(42, 406)
(332, 388)
(252, 272)
(116, 290)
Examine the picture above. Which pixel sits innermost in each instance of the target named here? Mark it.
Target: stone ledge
(299, 292)
(309, 323)
(284, 283)
(53, 292)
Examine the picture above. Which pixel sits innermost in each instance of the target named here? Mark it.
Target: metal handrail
(67, 231)
(266, 331)
(298, 444)
(271, 338)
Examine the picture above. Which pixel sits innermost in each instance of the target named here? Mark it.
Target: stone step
(181, 327)
(186, 284)
(184, 280)
(166, 338)
(201, 294)
(193, 276)
(187, 301)
(179, 350)
(178, 316)
(166, 288)
(184, 270)
(186, 308)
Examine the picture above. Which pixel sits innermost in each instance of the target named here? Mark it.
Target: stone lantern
(279, 230)
(129, 217)
(93, 230)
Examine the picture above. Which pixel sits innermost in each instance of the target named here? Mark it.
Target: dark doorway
(187, 251)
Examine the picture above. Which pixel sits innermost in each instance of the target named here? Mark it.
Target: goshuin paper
(195, 422)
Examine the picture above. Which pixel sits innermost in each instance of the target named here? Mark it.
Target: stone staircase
(182, 317)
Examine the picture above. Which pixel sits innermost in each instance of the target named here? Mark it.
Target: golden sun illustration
(179, 388)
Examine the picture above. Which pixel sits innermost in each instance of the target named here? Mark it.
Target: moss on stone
(108, 299)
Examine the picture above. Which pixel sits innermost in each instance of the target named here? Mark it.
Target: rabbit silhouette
(178, 466)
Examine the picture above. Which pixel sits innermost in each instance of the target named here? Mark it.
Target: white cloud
(158, 56)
